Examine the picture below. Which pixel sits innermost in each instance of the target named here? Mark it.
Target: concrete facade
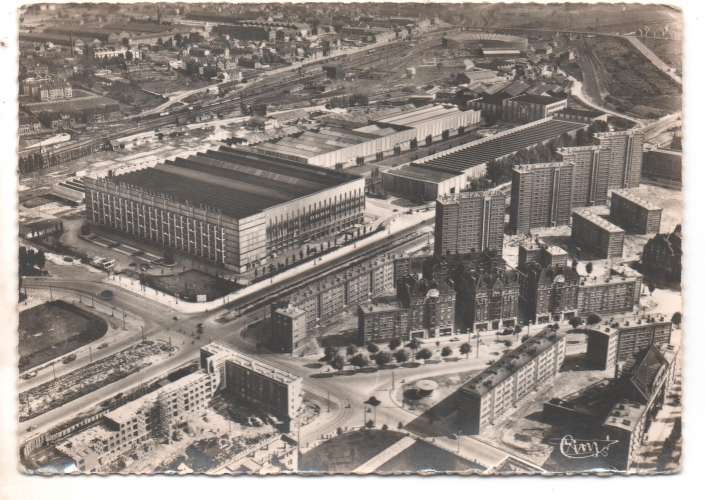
(617, 292)
(597, 235)
(626, 150)
(541, 196)
(254, 382)
(288, 329)
(234, 233)
(357, 284)
(634, 213)
(494, 393)
(591, 174)
(469, 222)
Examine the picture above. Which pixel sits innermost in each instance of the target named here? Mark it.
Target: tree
(517, 329)
(677, 318)
(593, 319)
(382, 358)
(372, 347)
(351, 349)
(338, 362)
(401, 356)
(360, 360)
(424, 354)
(588, 268)
(575, 321)
(414, 344)
(40, 259)
(465, 348)
(169, 257)
(329, 353)
(394, 343)
(446, 351)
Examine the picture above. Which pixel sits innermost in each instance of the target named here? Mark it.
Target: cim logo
(571, 447)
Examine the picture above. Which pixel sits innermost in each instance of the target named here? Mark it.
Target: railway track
(271, 294)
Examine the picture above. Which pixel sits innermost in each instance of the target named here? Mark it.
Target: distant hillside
(579, 17)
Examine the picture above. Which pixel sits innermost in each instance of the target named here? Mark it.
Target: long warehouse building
(450, 171)
(342, 147)
(228, 206)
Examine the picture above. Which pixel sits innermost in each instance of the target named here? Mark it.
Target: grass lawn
(348, 451)
(50, 330)
(189, 284)
(630, 79)
(669, 51)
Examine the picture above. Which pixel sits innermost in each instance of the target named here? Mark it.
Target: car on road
(106, 294)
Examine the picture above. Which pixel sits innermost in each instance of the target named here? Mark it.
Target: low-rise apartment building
(633, 213)
(253, 382)
(596, 234)
(288, 329)
(495, 392)
(616, 292)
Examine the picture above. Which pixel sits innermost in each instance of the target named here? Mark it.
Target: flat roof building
(288, 329)
(342, 147)
(596, 234)
(634, 213)
(529, 107)
(618, 291)
(254, 382)
(626, 151)
(591, 174)
(417, 183)
(541, 196)
(325, 298)
(381, 320)
(469, 222)
(494, 393)
(610, 346)
(229, 206)
(535, 250)
(664, 166)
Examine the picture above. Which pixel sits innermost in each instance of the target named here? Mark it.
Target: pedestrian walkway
(385, 456)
